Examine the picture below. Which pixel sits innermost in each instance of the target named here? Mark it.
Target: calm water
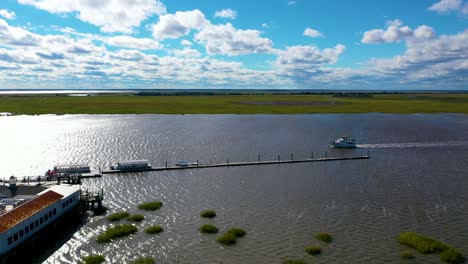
(416, 180)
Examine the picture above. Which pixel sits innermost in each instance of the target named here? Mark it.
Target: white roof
(133, 162)
(71, 165)
(63, 189)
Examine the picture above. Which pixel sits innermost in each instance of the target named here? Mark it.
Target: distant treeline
(352, 95)
(187, 93)
(206, 93)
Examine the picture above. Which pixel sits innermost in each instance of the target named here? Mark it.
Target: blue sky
(284, 44)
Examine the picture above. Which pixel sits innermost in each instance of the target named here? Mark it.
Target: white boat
(132, 165)
(69, 169)
(344, 142)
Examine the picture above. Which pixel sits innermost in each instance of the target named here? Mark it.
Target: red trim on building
(28, 209)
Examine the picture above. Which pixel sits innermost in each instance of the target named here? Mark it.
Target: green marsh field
(235, 104)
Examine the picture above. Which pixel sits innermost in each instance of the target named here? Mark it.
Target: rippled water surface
(416, 180)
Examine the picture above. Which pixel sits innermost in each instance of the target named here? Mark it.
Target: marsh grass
(154, 230)
(230, 236)
(92, 259)
(234, 104)
(117, 216)
(208, 229)
(144, 260)
(294, 261)
(116, 232)
(421, 243)
(237, 232)
(452, 256)
(136, 218)
(208, 214)
(150, 206)
(324, 237)
(427, 245)
(406, 254)
(313, 250)
(227, 239)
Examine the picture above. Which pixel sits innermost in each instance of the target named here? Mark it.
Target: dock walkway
(238, 164)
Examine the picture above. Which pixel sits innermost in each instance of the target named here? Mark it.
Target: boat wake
(416, 144)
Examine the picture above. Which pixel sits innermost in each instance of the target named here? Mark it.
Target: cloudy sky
(236, 44)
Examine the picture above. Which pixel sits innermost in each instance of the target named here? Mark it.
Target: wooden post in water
(166, 164)
(311, 155)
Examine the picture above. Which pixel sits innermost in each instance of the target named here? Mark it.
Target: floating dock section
(238, 164)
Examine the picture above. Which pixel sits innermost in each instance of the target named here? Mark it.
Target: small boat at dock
(344, 142)
(72, 169)
(132, 165)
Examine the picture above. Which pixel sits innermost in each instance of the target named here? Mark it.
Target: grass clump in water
(452, 256)
(324, 237)
(150, 206)
(406, 254)
(294, 261)
(117, 216)
(92, 259)
(154, 230)
(230, 237)
(136, 218)
(427, 245)
(208, 229)
(144, 260)
(422, 244)
(227, 239)
(208, 214)
(313, 250)
(116, 232)
(237, 232)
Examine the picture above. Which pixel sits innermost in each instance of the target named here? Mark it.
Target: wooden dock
(238, 164)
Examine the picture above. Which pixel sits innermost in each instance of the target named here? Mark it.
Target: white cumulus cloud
(134, 43)
(7, 14)
(16, 36)
(186, 43)
(396, 32)
(226, 13)
(179, 24)
(186, 53)
(309, 56)
(227, 40)
(313, 33)
(446, 6)
(109, 15)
